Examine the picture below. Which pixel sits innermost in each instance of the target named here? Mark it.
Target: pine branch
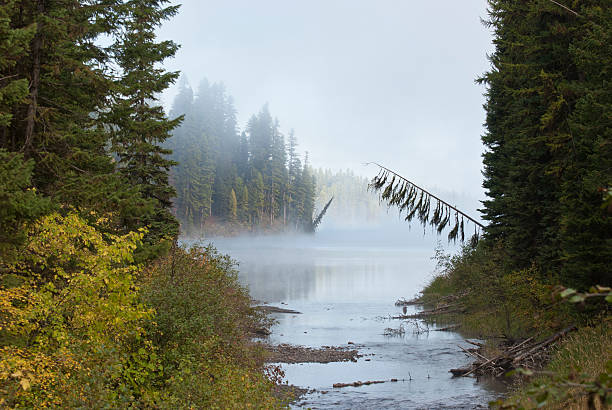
(416, 201)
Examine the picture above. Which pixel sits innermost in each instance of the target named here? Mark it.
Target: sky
(388, 81)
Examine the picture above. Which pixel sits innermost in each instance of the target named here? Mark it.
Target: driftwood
(474, 343)
(359, 384)
(452, 308)
(524, 354)
(544, 344)
(404, 302)
(274, 309)
(447, 328)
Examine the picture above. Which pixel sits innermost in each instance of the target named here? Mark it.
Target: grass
(571, 377)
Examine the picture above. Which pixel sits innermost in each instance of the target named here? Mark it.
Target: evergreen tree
(547, 158)
(233, 208)
(242, 197)
(256, 198)
(49, 51)
(309, 185)
(14, 46)
(214, 159)
(20, 204)
(141, 127)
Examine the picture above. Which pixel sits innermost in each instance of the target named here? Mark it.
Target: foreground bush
(202, 330)
(76, 331)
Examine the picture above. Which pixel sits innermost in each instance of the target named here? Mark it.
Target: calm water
(345, 284)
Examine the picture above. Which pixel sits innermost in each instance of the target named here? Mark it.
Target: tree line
(253, 180)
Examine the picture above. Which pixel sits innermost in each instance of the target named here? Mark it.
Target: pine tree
(14, 45)
(140, 126)
(20, 204)
(242, 197)
(545, 164)
(256, 198)
(233, 208)
(309, 187)
(64, 73)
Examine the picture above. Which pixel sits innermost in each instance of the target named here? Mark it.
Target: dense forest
(548, 176)
(254, 180)
(99, 307)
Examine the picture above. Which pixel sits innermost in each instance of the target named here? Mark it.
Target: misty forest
(166, 245)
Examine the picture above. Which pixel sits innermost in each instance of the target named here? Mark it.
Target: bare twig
(565, 7)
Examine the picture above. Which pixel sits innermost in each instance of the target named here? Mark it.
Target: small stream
(345, 285)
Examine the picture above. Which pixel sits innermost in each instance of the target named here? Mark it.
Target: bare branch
(565, 7)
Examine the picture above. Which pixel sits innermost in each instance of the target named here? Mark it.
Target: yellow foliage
(73, 314)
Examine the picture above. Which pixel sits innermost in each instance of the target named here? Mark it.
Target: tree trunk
(35, 81)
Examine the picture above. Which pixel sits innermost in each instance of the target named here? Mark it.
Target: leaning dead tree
(417, 202)
(317, 221)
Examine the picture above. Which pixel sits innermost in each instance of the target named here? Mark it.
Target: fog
(388, 81)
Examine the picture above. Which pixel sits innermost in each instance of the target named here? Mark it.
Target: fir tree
(233, 207)
(548, 153)
(141, 127)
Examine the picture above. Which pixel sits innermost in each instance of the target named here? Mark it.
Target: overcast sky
(359, 80)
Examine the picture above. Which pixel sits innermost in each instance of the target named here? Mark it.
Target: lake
(345, 285)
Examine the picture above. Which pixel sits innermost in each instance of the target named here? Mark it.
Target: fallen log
(427, 313)
(515, 356)
(515, 347)
(474, 343)
(544, 344)
(360, 383)
(460, 371)
(447, 328)
(404, 302)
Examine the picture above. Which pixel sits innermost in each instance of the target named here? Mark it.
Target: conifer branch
(416, 201)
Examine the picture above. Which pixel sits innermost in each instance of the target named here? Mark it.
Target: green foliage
(78, 330)
(496, 300)
(548, 158)
(14, 44)
(202, 328)
(19, 203)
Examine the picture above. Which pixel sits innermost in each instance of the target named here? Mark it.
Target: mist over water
(345, 283)
(331, 266)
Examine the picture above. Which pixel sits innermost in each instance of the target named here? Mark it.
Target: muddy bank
(286, 353)
(289, 393)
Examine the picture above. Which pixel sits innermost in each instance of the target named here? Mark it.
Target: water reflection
(310, 268)
(345, 286)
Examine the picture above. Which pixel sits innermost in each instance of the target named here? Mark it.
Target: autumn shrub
(71, 322)
(202, 330)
